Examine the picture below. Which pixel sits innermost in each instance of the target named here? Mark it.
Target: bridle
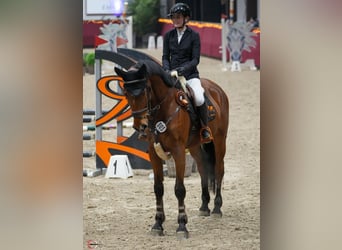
(151, 111)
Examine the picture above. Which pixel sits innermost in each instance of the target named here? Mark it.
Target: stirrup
(208, 139)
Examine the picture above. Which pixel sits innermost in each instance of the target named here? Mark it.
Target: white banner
(104, 7)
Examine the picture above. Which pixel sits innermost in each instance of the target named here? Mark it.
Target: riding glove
(180, 71)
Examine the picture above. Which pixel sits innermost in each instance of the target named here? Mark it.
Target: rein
(157, 107)
(160, 126)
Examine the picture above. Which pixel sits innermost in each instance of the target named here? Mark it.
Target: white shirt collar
(180, 33)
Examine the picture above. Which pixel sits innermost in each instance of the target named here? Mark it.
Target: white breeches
(195, 85)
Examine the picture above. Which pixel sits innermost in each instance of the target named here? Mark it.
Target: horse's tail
(209, 163)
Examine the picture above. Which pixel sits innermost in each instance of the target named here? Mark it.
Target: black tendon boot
(205, 131)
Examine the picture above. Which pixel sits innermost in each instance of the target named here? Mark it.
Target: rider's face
(178, 20)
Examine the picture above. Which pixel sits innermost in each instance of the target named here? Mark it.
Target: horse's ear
(143, 69)
(118, 71)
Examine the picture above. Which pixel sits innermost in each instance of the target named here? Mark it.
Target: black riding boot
(205, 132)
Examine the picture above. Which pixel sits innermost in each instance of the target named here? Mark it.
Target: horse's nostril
(142, 132)
(143, 127)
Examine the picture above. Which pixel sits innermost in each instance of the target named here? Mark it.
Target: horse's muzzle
(142, 130)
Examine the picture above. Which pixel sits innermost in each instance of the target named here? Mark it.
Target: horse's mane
(154, 68)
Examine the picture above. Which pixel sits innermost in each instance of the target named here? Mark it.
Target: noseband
(137, 113)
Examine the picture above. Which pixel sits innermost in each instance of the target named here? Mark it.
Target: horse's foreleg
(157, 228)
(180, 193)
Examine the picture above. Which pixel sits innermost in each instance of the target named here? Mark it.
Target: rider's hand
(180, 71)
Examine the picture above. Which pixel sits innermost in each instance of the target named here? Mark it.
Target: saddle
(186, 101)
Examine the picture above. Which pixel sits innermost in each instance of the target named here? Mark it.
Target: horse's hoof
(182, 235)
(182, 232)
(216, 212)
(216, 215)
(204, 213)
(157, 232)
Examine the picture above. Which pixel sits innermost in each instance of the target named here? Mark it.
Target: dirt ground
(119, 213)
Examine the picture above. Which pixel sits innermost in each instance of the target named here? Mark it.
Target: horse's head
(135, 85)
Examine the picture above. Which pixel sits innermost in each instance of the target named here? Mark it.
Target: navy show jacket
(185, 54)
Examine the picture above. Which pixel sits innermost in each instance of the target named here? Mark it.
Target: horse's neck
(160, 91)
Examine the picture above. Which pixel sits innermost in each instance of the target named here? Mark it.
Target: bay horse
(158, 115)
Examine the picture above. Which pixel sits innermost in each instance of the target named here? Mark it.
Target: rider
(181, 52)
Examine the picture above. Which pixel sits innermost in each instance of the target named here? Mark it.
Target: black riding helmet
(180, 8)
